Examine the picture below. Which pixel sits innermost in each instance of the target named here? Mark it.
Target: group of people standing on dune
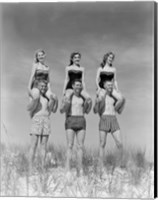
(76, 102)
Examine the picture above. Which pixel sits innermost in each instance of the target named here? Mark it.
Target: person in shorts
(108, 121)
(40, 109)
(75, 124)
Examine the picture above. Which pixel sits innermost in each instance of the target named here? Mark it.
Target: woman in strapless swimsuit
(75, 71)
(108, 72)
(40, 71)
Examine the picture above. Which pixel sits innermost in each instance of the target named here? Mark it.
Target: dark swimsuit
(73, 75)
(40, 75)
(105, 76)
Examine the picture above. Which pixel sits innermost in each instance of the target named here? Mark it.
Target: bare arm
(48, 84)
(33, 105)
(98, 78)
(53, 104)
(66, 80)
(83, 80)
(96, 106)
(115, 82)
(65, 107)
(62, 107)
(31, 78)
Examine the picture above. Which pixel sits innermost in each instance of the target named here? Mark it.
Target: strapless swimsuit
(40, 75)
(73, 75)
(105, 76)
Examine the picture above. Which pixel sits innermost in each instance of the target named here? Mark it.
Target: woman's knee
(68, 93)
(85, 94)
(80, 146)
(101, 93)
(70, 146)
(35, 93)
(50, 95)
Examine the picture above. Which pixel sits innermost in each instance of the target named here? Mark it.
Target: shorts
(108, 123)
(76, 123)
(40, 126)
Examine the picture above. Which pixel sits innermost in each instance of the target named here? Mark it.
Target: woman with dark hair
(106, 71)
(75, 71)
(40, 71)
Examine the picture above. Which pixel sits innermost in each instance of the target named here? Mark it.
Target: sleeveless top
(40, 75)
(73, 75)
(104, 75)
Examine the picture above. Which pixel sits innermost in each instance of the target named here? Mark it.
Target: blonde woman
(40, 71)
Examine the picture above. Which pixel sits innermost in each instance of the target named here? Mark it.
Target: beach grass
(128, 176)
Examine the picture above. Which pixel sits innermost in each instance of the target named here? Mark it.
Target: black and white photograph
(77, 99)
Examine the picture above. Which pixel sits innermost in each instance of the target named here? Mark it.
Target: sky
(125, 28)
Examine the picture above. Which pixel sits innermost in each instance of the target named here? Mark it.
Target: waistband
(76, 116)
(104, 116)
(41, 116)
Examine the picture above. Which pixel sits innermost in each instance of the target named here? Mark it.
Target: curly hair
(72, 56)
(105, 57)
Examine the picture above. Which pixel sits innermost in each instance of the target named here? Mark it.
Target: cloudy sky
(126, 28)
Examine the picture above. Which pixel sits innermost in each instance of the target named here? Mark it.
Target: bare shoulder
(113, 68)
(67, 68)
(100, 69)
(46, 67)
(35, 65)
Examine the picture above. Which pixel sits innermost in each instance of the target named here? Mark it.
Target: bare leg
(33, 100)
(68, 94)
(56, 104)
(101, 94)
(96, 106)
(120, 105)
(70, 134)
(117, 138)
(34, 93)
(43, 148)
(80, 146)
(53, 103)
(103, 137)
(65, 106)
(66, 101)
(87, 105)
(120, 101)
(33, 148)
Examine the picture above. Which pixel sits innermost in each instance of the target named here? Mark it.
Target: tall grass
(125, 175)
